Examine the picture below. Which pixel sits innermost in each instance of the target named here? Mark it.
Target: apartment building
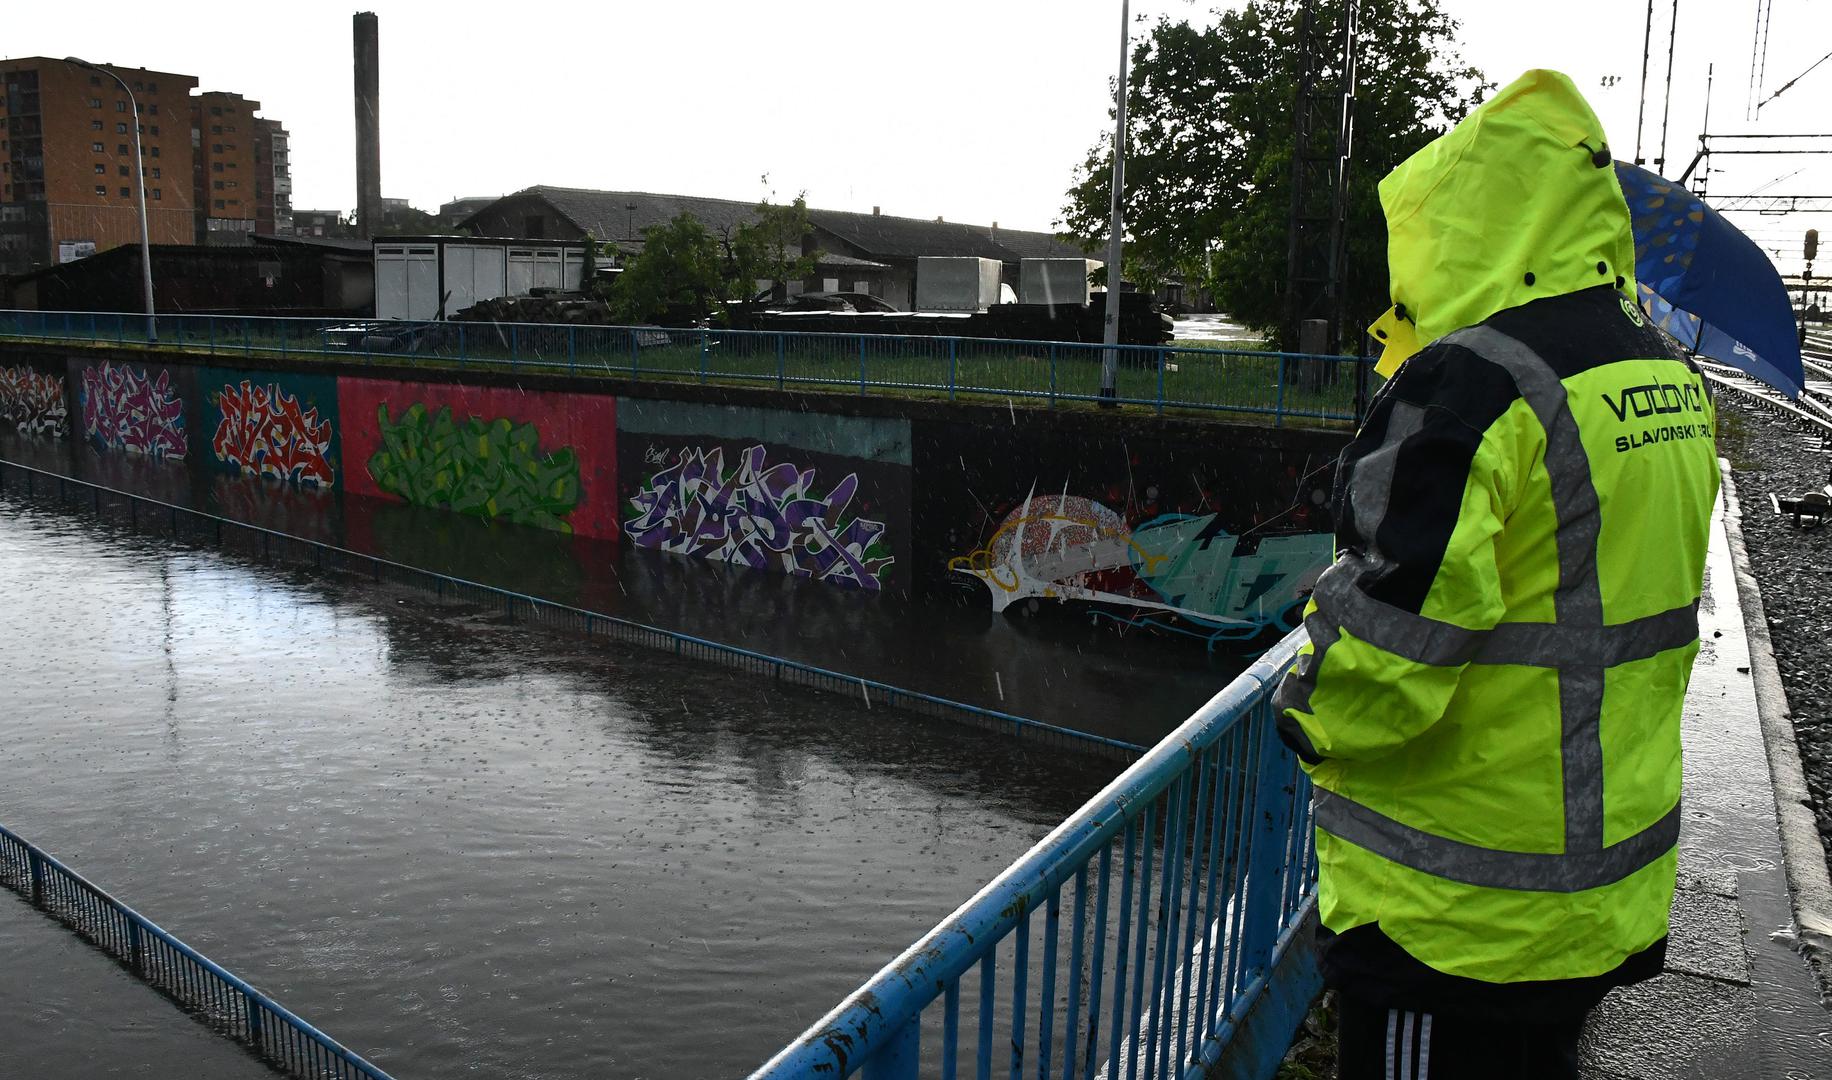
(67, 183)
(273, 188)
(226, 169)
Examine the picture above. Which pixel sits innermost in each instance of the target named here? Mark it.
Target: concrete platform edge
(1809, 882)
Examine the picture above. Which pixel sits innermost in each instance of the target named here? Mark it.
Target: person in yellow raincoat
(1489, 703)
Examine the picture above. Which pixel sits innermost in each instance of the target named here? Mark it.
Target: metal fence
(1267, 386)
(214, 995)
(1204, 848)
(183, 522)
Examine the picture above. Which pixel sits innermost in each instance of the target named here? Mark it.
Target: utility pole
(1647, 39)
(146, 247)
(1110, 336)
(1666, 110)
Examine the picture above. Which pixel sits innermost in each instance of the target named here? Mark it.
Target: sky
(972, 110)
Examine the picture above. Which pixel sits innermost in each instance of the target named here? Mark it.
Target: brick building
(226, 171)
(67, 184)
(273, 185)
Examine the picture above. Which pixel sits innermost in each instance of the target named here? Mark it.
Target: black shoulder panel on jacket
(1582, 330)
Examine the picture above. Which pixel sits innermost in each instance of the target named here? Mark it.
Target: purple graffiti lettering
(125, 411)
(770, 517)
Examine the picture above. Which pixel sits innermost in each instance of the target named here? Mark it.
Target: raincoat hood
(1519, 201)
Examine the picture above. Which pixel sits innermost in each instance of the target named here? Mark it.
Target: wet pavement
(1736, 1001)
(459, 845)
(72, 1013)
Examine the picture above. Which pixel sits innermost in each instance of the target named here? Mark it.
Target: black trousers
(1379, 1043)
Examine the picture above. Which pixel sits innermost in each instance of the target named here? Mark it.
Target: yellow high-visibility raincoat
(1490, 701)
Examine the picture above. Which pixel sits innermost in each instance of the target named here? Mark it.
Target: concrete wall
(1136, 522)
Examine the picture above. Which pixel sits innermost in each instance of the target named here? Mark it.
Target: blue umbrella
(1707, 284)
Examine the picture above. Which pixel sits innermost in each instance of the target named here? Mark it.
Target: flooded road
(458, 845)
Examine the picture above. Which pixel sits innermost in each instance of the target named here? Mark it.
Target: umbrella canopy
(1707, 284)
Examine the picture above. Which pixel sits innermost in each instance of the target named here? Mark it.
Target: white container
(1055, 281)
(956, 283)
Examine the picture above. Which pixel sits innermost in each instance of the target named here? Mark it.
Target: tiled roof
(620, 215)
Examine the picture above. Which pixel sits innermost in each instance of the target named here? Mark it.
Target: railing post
(953, 366)
(254, 1020)
(211, 320)
(781, 361)
(461, 346)
(245, 346)
(37, 867)
(572, 363)
(703, 347)
(632, 333)
(898, 1058)
(136, 953)
(861, 365)
(1052, 374)
(1270, 827)
(515, 344)
(1278, 412)
(1160, 381)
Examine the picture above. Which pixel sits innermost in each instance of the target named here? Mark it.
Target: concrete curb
(1809, 881)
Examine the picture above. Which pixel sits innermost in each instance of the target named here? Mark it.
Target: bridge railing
(1131, 941)
(1268, 386)
(220, 998)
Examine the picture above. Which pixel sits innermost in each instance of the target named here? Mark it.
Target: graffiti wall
(141, 409)
(1209, 540)
(277, 425)
(520, 457)
(811, 495)
(33, 400)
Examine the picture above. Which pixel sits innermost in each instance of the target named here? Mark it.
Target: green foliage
(489, 470)
(675, 279)
(411, 222)
(684, 270)
(1209, 147)
(770, 247)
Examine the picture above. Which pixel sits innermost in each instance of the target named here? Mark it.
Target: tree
(1209, 147)
(770, 248)
(675, 279)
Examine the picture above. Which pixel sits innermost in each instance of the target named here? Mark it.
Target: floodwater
(459, 845)
(1045, 665)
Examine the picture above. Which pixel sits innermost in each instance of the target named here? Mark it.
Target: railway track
(1811, 413)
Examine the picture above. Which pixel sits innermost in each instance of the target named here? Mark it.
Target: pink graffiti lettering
(264, 432)
(125, 411)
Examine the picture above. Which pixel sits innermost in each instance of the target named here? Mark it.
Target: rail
(1264, 385)
(219, 998)
(274, 544)
(1209, 836)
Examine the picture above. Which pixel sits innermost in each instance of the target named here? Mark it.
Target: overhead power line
(1785, 87)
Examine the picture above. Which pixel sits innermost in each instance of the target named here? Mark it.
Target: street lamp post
(146, 248)
(1109, 361)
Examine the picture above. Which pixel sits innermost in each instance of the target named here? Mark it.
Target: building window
(120, 106)
(232, 183)
(155, 130)
(124, 171)
(120, 148)
(158, 193)
(219, 204)
(216, 129)
(127, 193)
(154, 108)
(140, 86)
(95, 125)
(152, 88)
(216, 110)
(120, 129)
(216, 166)
(155, 151)
(218, 185)
(95, 80)
(102, 190)
(97, 147)
(216, 148)
(95, 103)
(155, 174)
(101, 169)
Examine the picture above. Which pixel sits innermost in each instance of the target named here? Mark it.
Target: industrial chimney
(368, 123)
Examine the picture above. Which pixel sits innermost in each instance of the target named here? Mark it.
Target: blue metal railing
(1264, 385)
(220, 998)
(1207, 841)
(274, 544)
